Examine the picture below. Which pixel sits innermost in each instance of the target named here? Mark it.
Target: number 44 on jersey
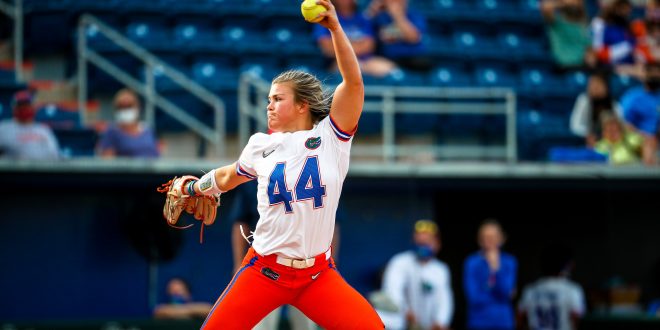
(308, 186)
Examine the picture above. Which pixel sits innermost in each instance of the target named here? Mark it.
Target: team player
(418, 284)
(300, 169)
(553, 302)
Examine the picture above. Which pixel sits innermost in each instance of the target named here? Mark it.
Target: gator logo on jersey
(313, 143)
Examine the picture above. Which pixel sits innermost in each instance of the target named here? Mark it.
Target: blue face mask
(178, 299)
(423, 252)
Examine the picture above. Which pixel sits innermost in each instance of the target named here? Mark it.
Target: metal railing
(253, 92)
(214, 134)
(15, 12)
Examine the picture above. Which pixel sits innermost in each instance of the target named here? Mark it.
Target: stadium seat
(191, 37)
(151, 35)
(290, 41)
(78, 142)
(57, 117)
(217, 76)
(449, 76)
(494, 10)
(450, 9)
(576, 82)
(539, 81)
(619, 84)
(5, 111)
(494, 76)
(474, 43)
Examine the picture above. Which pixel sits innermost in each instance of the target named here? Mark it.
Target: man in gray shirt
(21, 137)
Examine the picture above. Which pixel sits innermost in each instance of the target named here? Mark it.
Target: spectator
(418, 284)
(613, 40)
(619, 144)
(22, 138)
(647, 32)
(640, 110)
(588, 106)
(553, 302)
(360, 32)
(181, 304)
(128, 137)
(568, 32)
(489, 280)
(400, 33)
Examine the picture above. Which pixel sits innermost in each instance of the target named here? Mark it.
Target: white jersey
(423, 288)
(300, 176)
(549, 303)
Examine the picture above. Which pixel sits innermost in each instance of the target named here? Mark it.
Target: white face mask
(127, 115)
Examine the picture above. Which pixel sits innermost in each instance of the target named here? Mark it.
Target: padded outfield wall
(85, 239)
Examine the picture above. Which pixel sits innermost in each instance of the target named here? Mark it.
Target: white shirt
(581, 115)
(549, 303)
(300, 176)
(423, 288)
(32, 141)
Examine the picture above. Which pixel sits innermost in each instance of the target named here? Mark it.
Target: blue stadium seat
(539, 81)
(493, 10)
(450, 9)
(400, 77)
(619, 84)
(474, 43)
(240, 39)
(57, 117)
(264, 67)
(215, 75)
(308, 63)
(576, 82)
(517, 46)
(79, 142)
(151, 35)
(494, 76)
(5, 111)
(290, 41)
(191, 37)
(450, 76)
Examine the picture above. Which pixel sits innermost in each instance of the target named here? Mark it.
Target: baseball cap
(21, 98)
(426, 226)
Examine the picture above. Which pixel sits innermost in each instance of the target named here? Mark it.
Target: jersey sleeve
(245, 163)
(577, 300)
(336, 133)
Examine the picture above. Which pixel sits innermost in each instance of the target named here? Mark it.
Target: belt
(302, 263)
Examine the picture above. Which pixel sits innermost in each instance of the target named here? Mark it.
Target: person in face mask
(489, 280)
(180, 303)
(588, 107)
(418, 284)
(21, 137)
(641, 111)
(128, 137)
(566, 26)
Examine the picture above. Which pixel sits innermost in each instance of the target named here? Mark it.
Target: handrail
(418, 100)
(147, 89)
(15, 12)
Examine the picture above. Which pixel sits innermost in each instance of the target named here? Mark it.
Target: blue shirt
(398, 49)
(356, 27)
(641, 109)
(127, 145)
(489, 294)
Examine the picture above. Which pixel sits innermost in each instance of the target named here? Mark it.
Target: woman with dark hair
(585, 118)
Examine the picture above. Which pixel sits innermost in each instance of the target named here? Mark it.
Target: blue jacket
(489, 294)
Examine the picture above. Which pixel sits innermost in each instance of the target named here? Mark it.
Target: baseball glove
(177, 200)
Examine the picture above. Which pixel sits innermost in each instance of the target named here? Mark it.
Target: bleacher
(477, 43)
